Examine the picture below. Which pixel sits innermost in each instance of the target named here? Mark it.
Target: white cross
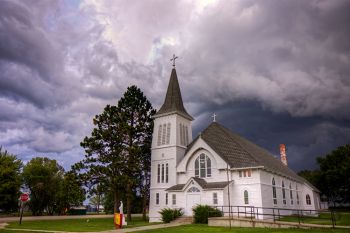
(173, 59)
(214, 117)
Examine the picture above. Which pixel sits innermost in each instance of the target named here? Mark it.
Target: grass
(76, 225)
(342, 219)
(203, 228)
(20, 231)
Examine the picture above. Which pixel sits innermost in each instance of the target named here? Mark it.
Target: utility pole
(228, 196)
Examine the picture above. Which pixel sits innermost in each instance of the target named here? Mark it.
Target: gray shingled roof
(202, 183)
(239, 152)
(173, 100)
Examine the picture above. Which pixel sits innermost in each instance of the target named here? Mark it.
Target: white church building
(216, 168)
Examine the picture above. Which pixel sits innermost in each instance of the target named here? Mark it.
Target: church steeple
(173, 100)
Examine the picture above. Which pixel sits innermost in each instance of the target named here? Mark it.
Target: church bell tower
(172, 133)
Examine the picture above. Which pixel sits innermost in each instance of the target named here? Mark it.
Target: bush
(203, 212)
(169, 215)
(178, 213)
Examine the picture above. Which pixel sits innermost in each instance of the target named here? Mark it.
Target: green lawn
(342, 219)
(20, 231)
(77, 225)
(204, 228)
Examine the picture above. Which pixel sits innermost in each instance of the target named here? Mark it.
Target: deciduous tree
(44, 178)
(10, 181)
(335, 174)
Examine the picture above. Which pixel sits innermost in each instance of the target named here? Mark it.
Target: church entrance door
(193, 199)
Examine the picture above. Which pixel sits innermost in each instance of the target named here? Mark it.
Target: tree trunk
(128, 200)
(116, 201)
(144, 206)
(98, 203)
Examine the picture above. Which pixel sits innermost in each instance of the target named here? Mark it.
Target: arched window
(291, 193)
(274, 194)
(186, 136)
(181, 135)
(193, 190)
(296, 190)
(163, 134)
(202, 166)
(168, 134)
(166, 173)
(246, 199)
(159, 135)
(283, 193)
(308, 199)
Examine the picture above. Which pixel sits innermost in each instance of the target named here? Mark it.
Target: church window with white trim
(296, 189)
(168, 134)
(174, 199)
(215, 198)
(246, 198)
(181, 135)
(158, 174)
(193, 190)
(203, 166)
(160, 135)
(166, 173)
(291, 194)
(157, 198)
(163, 134)
(283, 193)
(274, 194)
(308, 199)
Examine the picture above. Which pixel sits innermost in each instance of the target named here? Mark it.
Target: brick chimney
(283, 154)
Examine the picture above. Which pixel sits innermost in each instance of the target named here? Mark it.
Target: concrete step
(183, 219)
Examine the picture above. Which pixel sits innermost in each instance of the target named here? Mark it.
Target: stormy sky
(273, 71)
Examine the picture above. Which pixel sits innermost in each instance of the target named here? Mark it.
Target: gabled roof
(173, 100)
(200, 182)
(239, 152)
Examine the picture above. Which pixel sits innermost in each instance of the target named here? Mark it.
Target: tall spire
(173, 100)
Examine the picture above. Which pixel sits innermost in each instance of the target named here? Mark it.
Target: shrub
(203, 212)
(178, 213)
(169, 215)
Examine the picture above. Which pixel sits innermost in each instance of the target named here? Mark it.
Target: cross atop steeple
(173, 59)
(214, 117)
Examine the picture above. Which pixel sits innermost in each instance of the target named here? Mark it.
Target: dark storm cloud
(305, 137)
(284, 54)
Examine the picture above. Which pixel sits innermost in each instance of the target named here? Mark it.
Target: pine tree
(118, 150)
(136, 117)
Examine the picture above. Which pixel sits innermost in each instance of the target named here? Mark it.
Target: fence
(280, 214)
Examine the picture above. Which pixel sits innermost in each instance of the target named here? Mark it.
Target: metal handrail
(276, 213)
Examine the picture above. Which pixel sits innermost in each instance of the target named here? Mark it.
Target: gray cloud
(274, 71)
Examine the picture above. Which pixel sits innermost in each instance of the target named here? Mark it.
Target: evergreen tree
(10, 168)
(118, 150)
(103, 159)
(135, 113)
